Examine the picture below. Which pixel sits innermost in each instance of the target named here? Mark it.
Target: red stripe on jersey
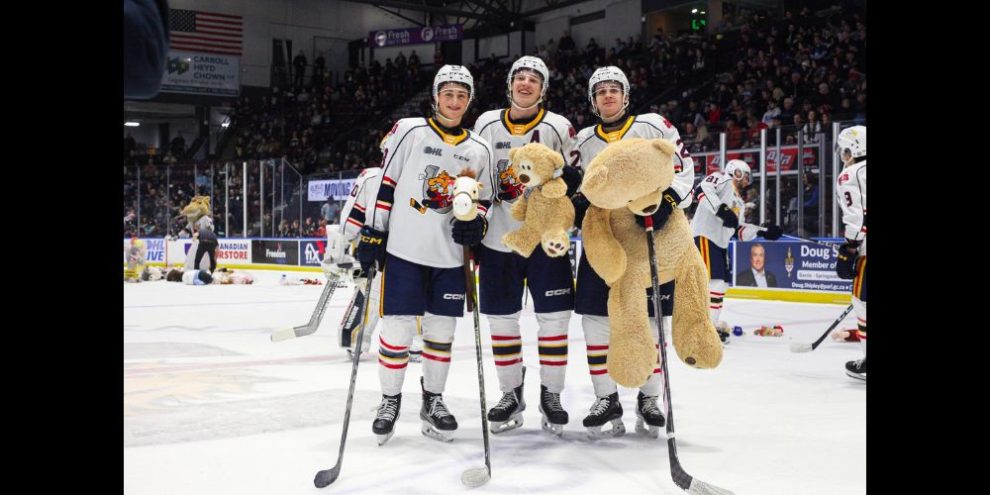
(355, 222)
(555, 337)
(358, 207)
(392, 366)
(390, 347)
(719, 294)
(388, 181)
(599, 372)
(597, 347)
(508, 362)
(553, 363)
(657, 371)
(505, 337)
(384, 206)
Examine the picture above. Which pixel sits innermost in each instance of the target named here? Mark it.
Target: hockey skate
(605, 410)
(857, 369)
(507, 414)
(438, 423)
(554, 415)
(388, 414)
(649, 419)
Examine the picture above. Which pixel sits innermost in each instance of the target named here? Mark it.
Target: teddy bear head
(537, 165)
(631, 173)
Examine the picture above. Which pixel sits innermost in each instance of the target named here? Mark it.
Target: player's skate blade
(649, 430)
(503, 426)
(552, 428)
(441, 435)
(618, 429)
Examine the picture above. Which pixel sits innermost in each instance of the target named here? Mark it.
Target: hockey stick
(803, 347)
(287, 333)
(327, 476)
(802, 239)
(681, 478)
(475, 477)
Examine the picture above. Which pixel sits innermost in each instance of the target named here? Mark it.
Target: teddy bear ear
(665, 146)
(558, 160)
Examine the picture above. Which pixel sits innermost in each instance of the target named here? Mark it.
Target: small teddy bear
(546, 212)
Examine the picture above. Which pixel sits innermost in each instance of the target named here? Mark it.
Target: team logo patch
(509, 187)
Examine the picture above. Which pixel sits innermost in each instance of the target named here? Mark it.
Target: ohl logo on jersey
(509, 187)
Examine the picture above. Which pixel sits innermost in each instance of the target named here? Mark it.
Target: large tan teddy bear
(628, 177)
(547, 214)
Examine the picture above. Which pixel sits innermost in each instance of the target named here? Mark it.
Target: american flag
(208, 32)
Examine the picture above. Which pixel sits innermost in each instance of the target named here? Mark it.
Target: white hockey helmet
(534, 64)
(852, 139)
(738, 169)
(609, 73)
(453, 73)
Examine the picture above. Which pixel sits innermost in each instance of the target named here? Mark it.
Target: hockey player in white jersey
(850, 189)
(505, 274)
(337, 259)
(719, 216)
(423, 256)
(608, 92)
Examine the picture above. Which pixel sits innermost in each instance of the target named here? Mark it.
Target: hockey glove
(772, 233)
(581, 205)
(572, 177)
(729, 219)
(371, 248)
(470, 233)
(668, 202)
(845, 266)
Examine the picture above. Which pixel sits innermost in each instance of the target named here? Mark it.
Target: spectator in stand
(812, 128)
(319, 68)
(299, 65)
(566, 45)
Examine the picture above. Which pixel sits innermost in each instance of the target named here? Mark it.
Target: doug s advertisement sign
(787, 265)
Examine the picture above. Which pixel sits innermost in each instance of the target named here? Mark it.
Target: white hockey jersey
(592, 140)
(548, 128)
(850, 189)
(714, 191)
(414, 204)
(364, 192)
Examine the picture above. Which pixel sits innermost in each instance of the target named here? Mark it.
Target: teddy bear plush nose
(650, 209)
(524, 178)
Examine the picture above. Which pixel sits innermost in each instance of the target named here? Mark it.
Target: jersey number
(849, 199)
